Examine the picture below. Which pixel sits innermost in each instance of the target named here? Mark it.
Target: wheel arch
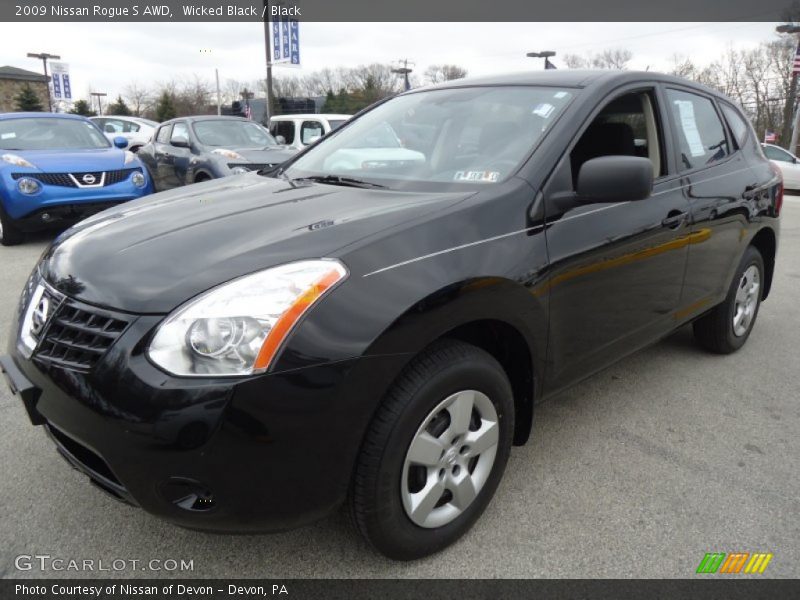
(765, 242)
(498, 315)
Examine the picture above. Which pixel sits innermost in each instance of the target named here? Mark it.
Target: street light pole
(545, 54)
(405, 71)
(44, 56)
(789, 104)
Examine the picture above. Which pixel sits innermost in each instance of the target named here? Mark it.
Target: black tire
(10, 234)
(715, 330)
(376, 505)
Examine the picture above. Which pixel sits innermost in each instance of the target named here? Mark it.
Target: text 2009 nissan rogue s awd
(374, 322)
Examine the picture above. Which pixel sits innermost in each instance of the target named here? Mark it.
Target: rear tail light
(779, 192)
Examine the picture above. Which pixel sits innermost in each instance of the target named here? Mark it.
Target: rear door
(617, 268)
(716, 182)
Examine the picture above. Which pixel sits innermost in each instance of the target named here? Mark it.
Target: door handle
(674, 219)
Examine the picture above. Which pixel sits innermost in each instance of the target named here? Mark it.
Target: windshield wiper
(338, 180)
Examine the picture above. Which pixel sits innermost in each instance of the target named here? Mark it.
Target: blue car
(56, 169)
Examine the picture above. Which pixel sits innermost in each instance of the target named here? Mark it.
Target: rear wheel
(10, 234)
(726, 328)
(435, 452)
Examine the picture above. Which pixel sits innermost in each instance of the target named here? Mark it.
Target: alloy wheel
(746, 301)
(450, 458)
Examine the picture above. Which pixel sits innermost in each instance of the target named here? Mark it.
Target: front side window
(779, 154)
(626, 126)
(284, 128)
(701, 136)
(229, 133)
(437, 139)
(336, 123)
(37, 133)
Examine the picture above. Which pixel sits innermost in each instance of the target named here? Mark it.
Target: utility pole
(268, 47)
(219, 97)
(98, 95)
(405, 71)
(791, 97)
(44, 56)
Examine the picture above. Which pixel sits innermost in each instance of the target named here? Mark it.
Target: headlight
(237, 328)
(129, 157)
(239, 170)
(17, 161)
(228, 154)
(28, 185)
(138, 179)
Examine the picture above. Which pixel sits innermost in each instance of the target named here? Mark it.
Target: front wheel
(726, 328)
(435, 452)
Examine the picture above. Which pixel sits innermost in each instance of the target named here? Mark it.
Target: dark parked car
(193, 149)
(251, 353)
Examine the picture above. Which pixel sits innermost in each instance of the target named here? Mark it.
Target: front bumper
(54, 204)
(264, 453)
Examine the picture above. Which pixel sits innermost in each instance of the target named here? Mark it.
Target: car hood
(74, 161)
(276, 154)
(153, 254)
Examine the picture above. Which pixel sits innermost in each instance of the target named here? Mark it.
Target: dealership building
(13, 80)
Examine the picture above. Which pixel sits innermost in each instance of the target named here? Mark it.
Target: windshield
(438, 138)
(37, 133)
(234, 134)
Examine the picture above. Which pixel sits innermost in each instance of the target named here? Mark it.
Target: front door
(616, 268)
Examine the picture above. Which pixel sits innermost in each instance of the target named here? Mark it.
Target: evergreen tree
(27, 100)
(81, 107)
(165, 107)
(119, 108)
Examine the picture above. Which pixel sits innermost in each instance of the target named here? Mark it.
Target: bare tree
(439, 73)
(138, 97)
(617, 58)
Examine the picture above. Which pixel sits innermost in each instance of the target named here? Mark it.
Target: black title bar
(400, 10)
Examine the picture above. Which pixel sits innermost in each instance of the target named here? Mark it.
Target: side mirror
(179, 142)
(615, 179)
(280, 139)
(120, 142)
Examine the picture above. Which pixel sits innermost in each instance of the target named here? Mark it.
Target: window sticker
(477, 176)
(544, 110)
(689, 125)
(559, 94)
(8, 136)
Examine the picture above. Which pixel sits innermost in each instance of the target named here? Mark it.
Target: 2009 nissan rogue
(375, 327)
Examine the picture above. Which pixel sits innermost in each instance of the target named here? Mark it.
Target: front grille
(64, 179)
(77, 336)
(252, 166)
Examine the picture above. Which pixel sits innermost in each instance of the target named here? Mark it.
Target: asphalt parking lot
(636, 472)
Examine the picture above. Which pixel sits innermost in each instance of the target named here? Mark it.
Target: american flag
(796, 63)
(248, 112)
(769, 136)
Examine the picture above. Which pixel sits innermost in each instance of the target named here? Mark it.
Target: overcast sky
(107, 56)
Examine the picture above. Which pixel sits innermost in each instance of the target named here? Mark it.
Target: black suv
(374, 322)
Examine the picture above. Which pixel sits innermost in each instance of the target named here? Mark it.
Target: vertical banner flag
(286, 42)
(61, 85)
